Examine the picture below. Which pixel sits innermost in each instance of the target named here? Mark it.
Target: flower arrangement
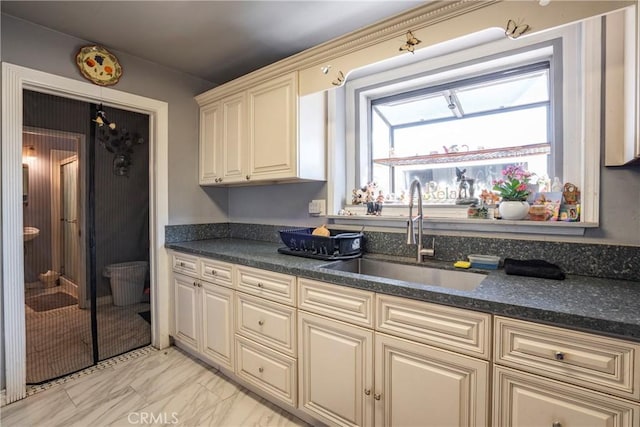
(514, 184)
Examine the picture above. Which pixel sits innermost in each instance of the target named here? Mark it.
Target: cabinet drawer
(522, 399)
(599, 363)
(267, 284)
(266, 369)
(185, 264)
(338, 302)
(216, 272)
(266, 322)
(452, 328)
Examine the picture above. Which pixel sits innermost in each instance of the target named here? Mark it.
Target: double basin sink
(451, 279)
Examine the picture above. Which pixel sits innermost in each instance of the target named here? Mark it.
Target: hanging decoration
(412, 42)
(118, 141)
(98, 65)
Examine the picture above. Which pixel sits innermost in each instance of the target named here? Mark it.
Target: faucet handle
(429, 251)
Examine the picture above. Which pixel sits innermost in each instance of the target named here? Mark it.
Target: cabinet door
(217, 323)
(210, 144)
(186, 310)
(273, 134)
(419, 385)
(525, 400)
(234, 125)
(336, 371)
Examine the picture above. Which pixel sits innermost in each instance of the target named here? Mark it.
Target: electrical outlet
(317, 207)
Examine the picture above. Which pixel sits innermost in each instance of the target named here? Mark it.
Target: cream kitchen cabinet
(546, 375)
(204, 313)
(264, 132)
(265, 332)
(351, 375)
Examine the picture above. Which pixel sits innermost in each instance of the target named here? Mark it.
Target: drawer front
(185, 264)
(451, 328)
(217, 272)
(266, 369)
(599, 363)
(337, 302)
(522, 399)
(266, 322)
(267, 284)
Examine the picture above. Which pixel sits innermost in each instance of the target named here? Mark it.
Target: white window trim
(587, 152)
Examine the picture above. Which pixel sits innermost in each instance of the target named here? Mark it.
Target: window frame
(585, 139)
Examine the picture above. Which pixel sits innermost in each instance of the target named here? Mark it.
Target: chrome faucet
(411, 236)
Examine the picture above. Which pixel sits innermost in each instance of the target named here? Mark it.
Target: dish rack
(301, 242)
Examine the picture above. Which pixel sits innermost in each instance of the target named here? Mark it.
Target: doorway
(14, 80)
(81, 305)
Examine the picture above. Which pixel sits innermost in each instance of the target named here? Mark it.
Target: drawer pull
(260, 322)
(261, 370)
(213, 272)
(559, 356)
(377, 396)
(556, 424)
(367, 392)
(181, 264)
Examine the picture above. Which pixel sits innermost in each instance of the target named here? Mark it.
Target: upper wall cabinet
(264, 132)
(622, 99)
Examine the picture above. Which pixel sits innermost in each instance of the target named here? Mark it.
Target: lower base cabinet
(336, 371)
(420, 385)
(410, 384)
(526, 400)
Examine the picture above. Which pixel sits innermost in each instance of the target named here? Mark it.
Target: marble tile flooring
(59, 340)
(166, 387)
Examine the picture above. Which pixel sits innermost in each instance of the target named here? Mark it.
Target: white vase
(514, 210)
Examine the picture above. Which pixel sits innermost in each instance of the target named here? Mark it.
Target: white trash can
(127, 281)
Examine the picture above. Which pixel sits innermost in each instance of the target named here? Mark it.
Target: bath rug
(48, 302)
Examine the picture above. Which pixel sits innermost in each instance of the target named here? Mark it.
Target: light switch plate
(317, 207)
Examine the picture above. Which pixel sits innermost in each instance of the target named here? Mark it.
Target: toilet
(127, 281)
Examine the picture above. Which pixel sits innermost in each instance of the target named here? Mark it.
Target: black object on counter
(301, 242)
(533, 268)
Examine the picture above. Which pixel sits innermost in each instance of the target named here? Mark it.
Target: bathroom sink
(452, 279)
(30, 233)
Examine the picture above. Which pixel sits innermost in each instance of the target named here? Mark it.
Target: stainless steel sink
(452, 279)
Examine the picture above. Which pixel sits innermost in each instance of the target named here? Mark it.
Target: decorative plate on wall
(99, 65)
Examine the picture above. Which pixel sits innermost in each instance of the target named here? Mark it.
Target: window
(471, 127)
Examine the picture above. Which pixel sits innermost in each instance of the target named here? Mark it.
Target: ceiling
(213, 40)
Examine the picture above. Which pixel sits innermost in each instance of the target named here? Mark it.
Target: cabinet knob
(261, 370)
(220, 180)
(194, 284)
(213, 272)
(556, 424)
(367, 392)
(559, 355)
(260, 322)
(377, 396)
(181, 264)
(260, 285)
(248, 177)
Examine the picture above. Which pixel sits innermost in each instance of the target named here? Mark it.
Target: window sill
(395, 220)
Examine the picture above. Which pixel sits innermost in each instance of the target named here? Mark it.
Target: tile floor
(166, 387)
(59, 340)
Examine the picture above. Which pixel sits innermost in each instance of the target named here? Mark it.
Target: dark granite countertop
(604, 306)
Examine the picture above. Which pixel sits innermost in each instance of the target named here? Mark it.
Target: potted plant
(513, 188)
